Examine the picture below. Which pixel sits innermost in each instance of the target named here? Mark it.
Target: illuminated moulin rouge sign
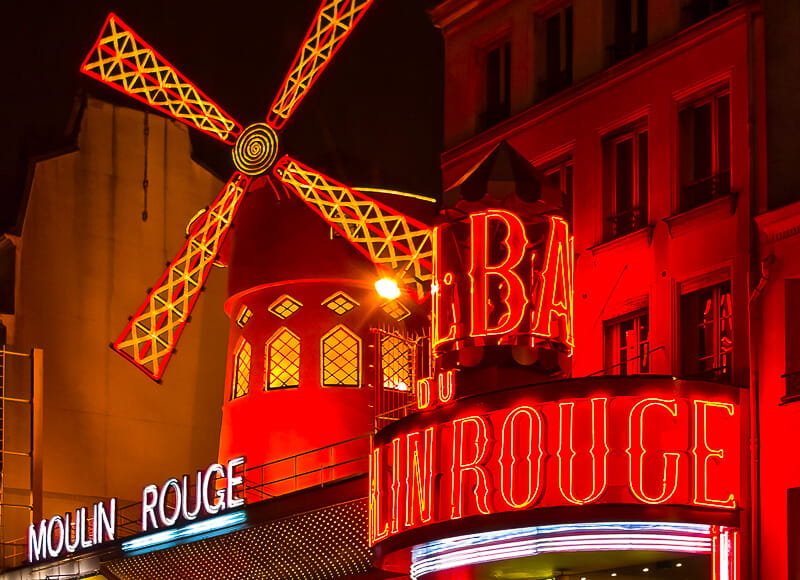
(508, 451)
(175, 501)
(498, 280)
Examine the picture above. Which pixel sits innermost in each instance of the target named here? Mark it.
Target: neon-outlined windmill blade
(150, 336)
(390, 239)
(334, 21)
(122, 60)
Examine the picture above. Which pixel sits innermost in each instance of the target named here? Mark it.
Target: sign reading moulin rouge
(162, 507)
(59, 535)
(176, 500)
(508, 451)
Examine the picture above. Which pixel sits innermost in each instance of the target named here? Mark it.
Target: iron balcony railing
(625, 222)
(705, 190)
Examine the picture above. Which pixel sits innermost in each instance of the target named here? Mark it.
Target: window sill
(639, 236)
(786, 399)
(696, 217)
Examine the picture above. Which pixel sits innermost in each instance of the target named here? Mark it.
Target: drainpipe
(756, 92)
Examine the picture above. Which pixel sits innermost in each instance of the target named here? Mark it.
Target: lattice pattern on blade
(341, 355)
(388, 238)
(149, 339)
(121, 59)
(283, 360)
(334, 21)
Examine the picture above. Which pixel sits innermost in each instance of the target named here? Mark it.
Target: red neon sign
(517, 287)
(527, 454)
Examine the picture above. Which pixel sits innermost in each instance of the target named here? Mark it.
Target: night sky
(373, 118)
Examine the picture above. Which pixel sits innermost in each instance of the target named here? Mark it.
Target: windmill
(390, 239)
(302, 341)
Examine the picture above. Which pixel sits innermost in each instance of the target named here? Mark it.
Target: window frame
(612, 344)
(493, 114)
(550, 82)
(639, 210)
(564, 164)
(692, 367)
(626, 43)
(719, 179)
(268, 360)
(358, 357)
(237, 390)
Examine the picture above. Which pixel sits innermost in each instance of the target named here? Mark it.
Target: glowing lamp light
(387, 288)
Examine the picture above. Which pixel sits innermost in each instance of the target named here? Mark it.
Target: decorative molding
(779, 224)
(699, 216)
(625, 242)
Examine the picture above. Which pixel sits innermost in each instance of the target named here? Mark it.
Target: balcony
(625, 222)
(705, 190)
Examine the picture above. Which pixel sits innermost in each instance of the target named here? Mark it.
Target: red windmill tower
(303, 316)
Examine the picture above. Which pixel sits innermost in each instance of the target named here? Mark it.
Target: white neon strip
(208, 525)
(448, 544)
(542, 546)
(507, 544)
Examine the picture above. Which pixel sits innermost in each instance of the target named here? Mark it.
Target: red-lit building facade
(592, 373)
(667, 126)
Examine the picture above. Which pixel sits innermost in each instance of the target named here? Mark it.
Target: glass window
(705, 150)
(283, 360)
(396, 362)
(627, 345)
(341, 358)
(555, 45)
(707, 333)
(625, 165)
(241, 370)
(792, 326)
(630, 29)
(497, 77)
(560, 174)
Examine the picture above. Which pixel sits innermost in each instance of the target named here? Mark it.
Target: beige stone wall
(87, 259)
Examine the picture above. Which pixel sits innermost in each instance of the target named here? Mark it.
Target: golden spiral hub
(255, 149)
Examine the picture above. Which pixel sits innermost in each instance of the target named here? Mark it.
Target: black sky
(373, 118)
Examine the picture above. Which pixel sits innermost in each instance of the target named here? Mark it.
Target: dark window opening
(707, 333)
(559, 174)
(693, 11)
(557, 47)
(626, 182)
(627, 345)
(630, 29)
(792, 326)
(498, 85)
(705, 151)
(8, 259)
(793, 530)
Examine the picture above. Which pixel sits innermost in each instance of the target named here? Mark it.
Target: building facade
(592, 372)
